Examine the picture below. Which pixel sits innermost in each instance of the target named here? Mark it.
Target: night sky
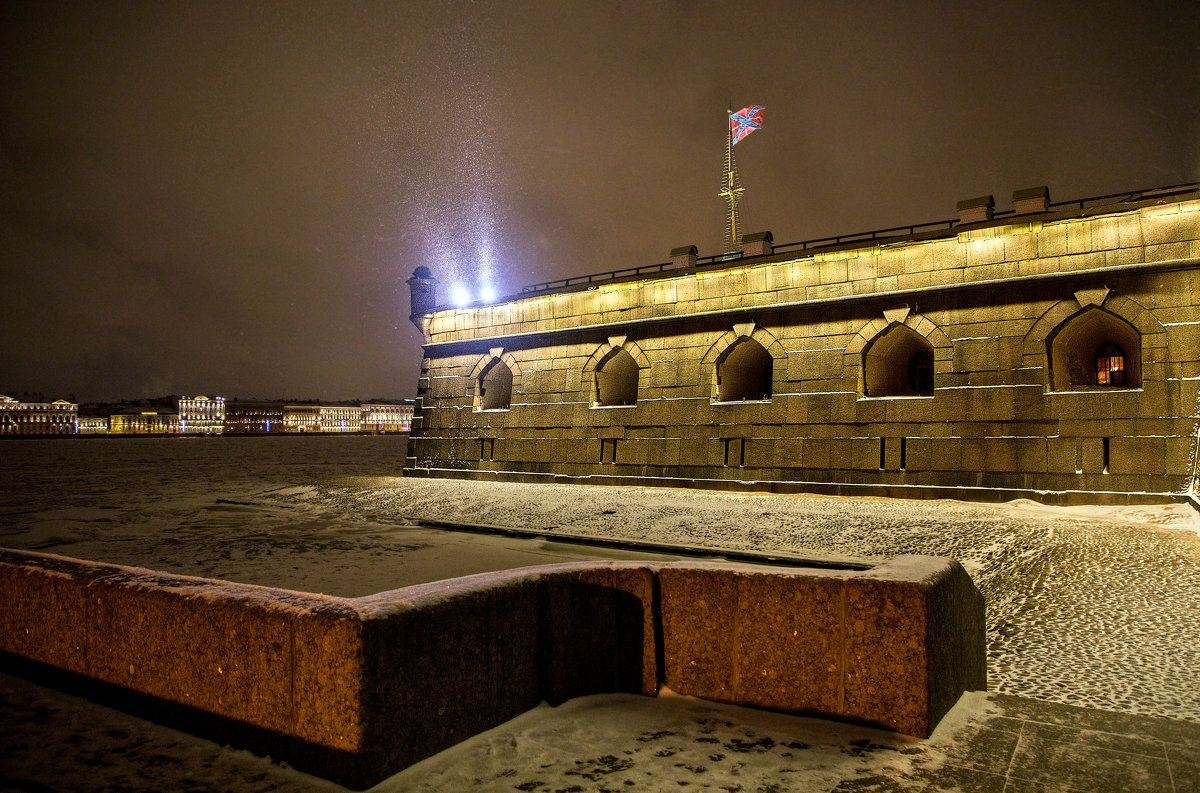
(226, 197)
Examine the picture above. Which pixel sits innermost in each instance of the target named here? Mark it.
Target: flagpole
(747, 120)
(731, 189)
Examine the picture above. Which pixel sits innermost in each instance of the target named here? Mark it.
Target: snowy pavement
(988, 743)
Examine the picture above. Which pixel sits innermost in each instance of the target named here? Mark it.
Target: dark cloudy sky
(226, 197)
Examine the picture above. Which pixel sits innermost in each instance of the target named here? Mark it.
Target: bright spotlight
(488, 293)
(459, 295)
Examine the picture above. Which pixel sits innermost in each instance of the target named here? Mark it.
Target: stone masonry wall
(989, 301)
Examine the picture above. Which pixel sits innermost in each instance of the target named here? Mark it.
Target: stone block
(1079, 236)
(787, 452)
(1020, 247)
(949, 255)
(840, 453)
(1168, 251)
(1000, 454)
(816, 453)
(910, 410)
(698, 614)
(787, 641)
(985, 251)
(327, 660)
(833, 272)
(465, 686)
(1031, 455)
(1092, 458)
(919, 455)
(1106, 232)
(45, 611)
(1129, 230)
(865, 454)
(1052, 240)
(945, 454)
(1137, 455)
(164, 637)
(1061, 455)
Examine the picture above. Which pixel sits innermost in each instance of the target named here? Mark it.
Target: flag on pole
(745, 121)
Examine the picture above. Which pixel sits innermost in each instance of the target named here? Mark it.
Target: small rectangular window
(735, 452)
(1106, 457)
(882, 453)
(903, 453)
(608, 450)
(487, 449)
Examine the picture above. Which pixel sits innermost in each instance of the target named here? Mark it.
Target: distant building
(339, 418)
(93, 425)
(215, 415)
(379, 417)
(301, 418)
(135, 421)
(201, 415)
(59, 417)
(253, 417)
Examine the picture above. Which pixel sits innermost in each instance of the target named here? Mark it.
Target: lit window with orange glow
(1110, 364)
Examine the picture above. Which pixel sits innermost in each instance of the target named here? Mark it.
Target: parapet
(358, 689)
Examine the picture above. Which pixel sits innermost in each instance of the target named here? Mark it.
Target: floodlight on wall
(459, 295)
(487, 293)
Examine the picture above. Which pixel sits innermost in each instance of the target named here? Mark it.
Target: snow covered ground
(55, 742)
(1087, 606)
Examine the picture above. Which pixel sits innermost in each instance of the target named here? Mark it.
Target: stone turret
(422, 290)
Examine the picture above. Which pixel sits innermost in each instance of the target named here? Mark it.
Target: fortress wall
(357, 689)
(994, 421)
(1033, 248)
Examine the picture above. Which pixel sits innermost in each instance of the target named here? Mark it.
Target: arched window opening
(1095, 349)
(1110, 364)
(495, 386)
(899, 362)
(744, 374)
(617, 379)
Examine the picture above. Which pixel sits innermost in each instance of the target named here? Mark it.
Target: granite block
(45, 613)
(788, 641)
(191, 642)
(698, 612)
(885, 671)
(327, 663)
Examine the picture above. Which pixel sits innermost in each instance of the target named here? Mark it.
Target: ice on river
(1088, 606)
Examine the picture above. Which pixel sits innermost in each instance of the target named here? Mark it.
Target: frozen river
(1085, 606)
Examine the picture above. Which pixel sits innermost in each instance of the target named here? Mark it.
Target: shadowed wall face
(617, 380)
(495, 386)
(745, 373)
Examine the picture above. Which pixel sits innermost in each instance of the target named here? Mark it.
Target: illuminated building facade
(252, 417)
(339, 418)
(201, 415)
(381, 418)
(257, 418)
(59, 417)
(135, 421)
(301, 418)
(93, 425)
(1049, 351)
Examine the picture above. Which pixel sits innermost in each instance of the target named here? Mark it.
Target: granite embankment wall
(357, 689)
